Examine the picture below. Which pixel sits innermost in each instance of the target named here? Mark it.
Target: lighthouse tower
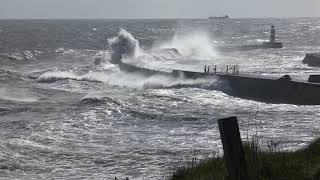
(272, 42)
(273, 35)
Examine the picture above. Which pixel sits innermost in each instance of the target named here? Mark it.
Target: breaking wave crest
(123, 44)
(196, 45)
(50, 77)
(132, 80)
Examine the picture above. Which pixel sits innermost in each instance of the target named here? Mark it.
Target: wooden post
(233, 150)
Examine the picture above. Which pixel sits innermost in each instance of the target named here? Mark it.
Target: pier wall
(270, 90)
(266, 89)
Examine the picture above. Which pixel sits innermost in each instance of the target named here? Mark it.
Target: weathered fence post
(233, 150)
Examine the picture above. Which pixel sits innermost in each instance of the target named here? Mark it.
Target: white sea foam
(133, 80)
(126, 48)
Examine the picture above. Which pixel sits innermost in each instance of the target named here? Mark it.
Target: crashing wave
(51, 77)
(132, 74)
(191, 45)
(123, 44)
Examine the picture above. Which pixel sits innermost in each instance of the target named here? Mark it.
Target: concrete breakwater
(259, 88)
(271, 90)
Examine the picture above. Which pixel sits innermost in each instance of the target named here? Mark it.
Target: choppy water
(63, 117)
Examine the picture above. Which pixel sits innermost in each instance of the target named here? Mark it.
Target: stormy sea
(68, 112)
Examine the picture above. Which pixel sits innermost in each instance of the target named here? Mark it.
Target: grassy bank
(303, 164)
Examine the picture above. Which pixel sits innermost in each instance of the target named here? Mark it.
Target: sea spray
(123, 44)
(124, 47)
(195, 45)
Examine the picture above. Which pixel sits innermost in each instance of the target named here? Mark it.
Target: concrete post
(233, 150)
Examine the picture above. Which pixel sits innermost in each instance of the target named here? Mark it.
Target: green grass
(303, 164)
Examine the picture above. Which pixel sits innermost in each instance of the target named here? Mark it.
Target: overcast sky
(123, 9)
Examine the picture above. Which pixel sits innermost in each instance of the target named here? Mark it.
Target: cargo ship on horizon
(219, 17)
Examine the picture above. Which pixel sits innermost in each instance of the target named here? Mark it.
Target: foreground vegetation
(262, 165)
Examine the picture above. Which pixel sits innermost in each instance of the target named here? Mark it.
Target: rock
(312, 59)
